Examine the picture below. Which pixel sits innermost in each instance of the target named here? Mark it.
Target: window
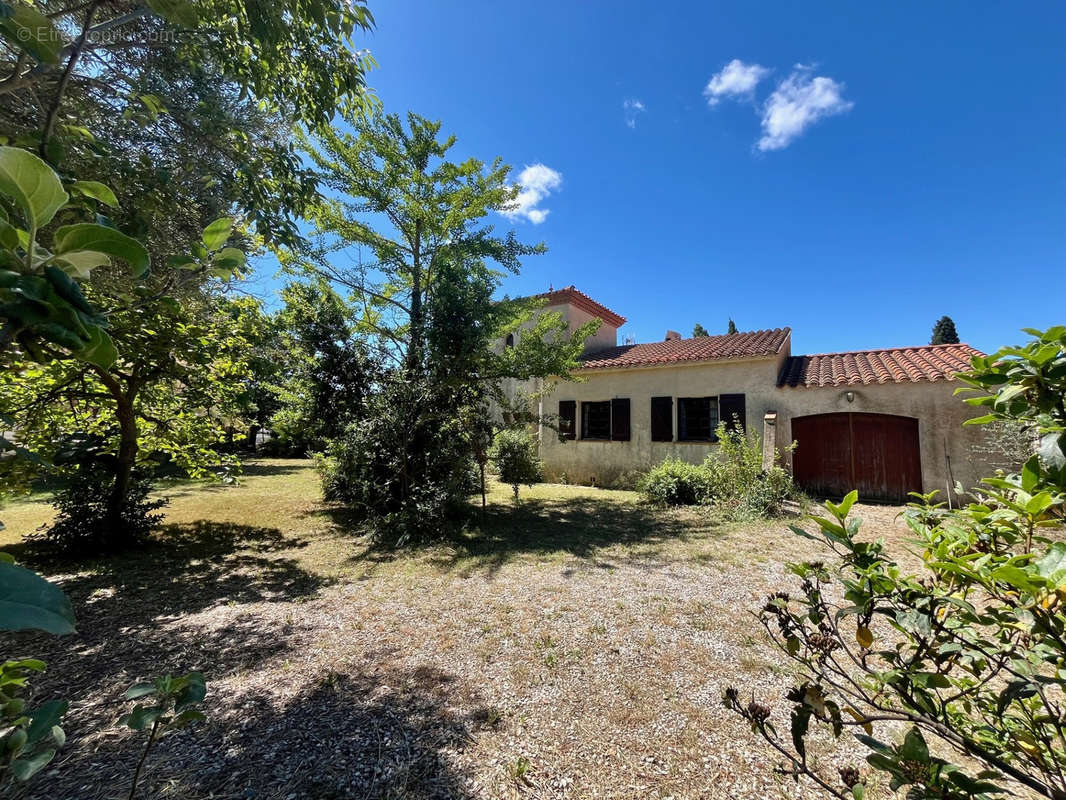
(606, 421)
(662, 419)
(731, 410)
(697, 417)
(509, 341)
(567, 414)
(596, 420)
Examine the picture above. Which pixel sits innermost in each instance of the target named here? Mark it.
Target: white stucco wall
(950, 451)
(605, 463)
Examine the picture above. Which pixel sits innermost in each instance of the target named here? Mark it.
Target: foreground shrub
(405, 469)
(514, 454)
(82, 524)
(677, 483)
(968, 654)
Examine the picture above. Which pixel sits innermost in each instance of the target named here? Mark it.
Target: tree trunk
(414, 348)
(126, 458)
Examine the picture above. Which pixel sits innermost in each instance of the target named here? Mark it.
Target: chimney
(672, 336)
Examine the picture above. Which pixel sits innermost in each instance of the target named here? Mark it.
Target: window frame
(616, 431)
(585, 409)
(714, 419)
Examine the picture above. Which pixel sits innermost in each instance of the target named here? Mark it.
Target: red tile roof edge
(700, 349)
(571, 294)
(929, 362)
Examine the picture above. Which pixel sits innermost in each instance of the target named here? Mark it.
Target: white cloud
(736, 79)
(632, 107)
(798, 102)
(535, 183)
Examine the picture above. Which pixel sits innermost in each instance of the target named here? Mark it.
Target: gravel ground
(584, 673)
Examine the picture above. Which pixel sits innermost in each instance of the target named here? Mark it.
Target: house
(885, 422)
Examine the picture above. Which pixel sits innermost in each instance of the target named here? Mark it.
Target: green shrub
(677, 483)
(514, 454)
(741, 488)
(81, 525)
(732, 479)
(406, 469)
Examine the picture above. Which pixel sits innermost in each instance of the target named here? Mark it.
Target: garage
(877, 454)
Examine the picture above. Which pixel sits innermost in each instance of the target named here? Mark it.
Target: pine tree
(944, 332)
(699, 330)
(732, 326)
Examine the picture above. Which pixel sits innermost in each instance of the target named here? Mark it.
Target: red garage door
(877, 454)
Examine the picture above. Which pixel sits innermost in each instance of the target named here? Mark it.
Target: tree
(944, 332)
(423, 291)
(328, 368)
(172, 394)
(514, 454)
(732, 326)
(699, 330)
(968, 654)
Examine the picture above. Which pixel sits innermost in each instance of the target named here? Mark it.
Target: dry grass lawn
(575, 646)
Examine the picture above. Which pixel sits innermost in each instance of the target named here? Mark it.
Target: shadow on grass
(580, 527)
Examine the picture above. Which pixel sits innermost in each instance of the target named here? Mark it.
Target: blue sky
(854, 170)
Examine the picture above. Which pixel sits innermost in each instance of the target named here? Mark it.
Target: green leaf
(81, 263)
(141, 717)
(95, 190)
(177, 11)
(29, 601)
(139, 690)
(28, 29)
(1030, 473)
(32, 184)
(44, 718)
(216, 234)
(101, 239)
(847, 503)
(914, 747)
(193, 693)
(1053, 565)
(26, 768)
(100, 350)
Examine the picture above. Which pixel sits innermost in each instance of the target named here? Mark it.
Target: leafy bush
(514, 454)
(406, 468)
(81, 525)
(732, 479)
(677, 483)
(741, 488)
(968, 654)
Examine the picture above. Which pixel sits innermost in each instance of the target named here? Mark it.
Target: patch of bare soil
(592, 674)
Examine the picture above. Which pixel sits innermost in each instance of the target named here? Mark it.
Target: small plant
(519, 769)
(29, 739)
(81, 525)
(514, 454)
(170, 709)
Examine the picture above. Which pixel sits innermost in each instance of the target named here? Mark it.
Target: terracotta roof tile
(572, 295)
(897, 365)
(701, 348)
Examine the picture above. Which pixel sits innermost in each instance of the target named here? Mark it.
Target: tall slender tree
(406, 239)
